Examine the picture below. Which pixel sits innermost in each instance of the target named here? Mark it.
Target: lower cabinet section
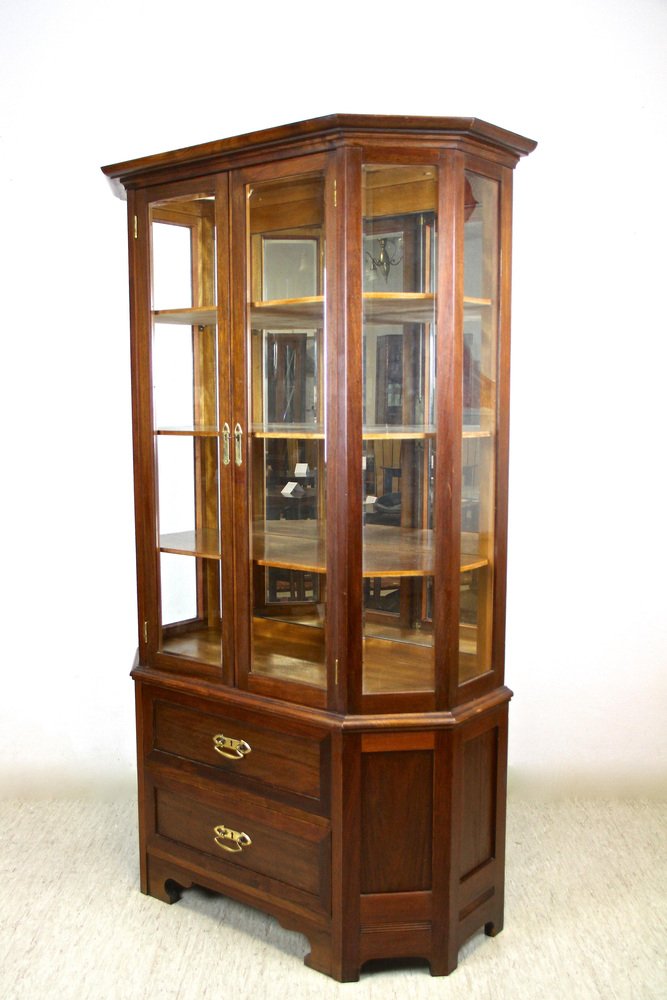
(374, 839)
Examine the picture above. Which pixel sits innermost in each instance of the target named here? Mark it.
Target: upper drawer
(280, 760)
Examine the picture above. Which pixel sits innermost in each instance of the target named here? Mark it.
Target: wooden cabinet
(320, 350)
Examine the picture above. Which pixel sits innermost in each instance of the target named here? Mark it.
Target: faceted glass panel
(478, 454)
(398, 398)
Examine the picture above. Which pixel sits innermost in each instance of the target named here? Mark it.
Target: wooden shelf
(195, 316)
(204, 543)
(391, 308)
(199, 643)
(388, 551)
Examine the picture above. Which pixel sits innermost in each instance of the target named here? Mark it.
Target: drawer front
(245, 837)
(286, 761)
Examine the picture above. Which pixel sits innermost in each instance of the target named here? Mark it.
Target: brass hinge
(336, 671)
(145, 631)
(335, 196)
(136, 228)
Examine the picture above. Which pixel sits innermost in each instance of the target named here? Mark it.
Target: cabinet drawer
(247, 838)
(280, 760)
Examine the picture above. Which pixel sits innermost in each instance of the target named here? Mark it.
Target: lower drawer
(243, 838)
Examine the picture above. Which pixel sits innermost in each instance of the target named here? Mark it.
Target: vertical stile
(228, 570)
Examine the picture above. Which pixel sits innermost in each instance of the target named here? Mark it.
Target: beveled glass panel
(188, 528)
(478, 454)
(190, 607)
(185, 425)
(287, 478)
(398, 448)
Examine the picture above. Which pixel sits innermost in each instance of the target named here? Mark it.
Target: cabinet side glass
(185, 426)
(479, 404)
(398, 448)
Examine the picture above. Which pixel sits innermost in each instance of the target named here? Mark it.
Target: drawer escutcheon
(228, 747)
(237, 840)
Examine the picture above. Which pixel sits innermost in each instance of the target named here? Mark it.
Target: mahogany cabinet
(320, 351)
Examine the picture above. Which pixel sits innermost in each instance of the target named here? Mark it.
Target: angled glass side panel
(398, 447)
(184, 354)
(287, 477)
(478, 454)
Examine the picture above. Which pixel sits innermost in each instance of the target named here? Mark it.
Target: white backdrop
(85, 83)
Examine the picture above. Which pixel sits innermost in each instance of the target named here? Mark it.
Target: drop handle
(225, 444)
(238, 444)
(229, 747)
(231, 840)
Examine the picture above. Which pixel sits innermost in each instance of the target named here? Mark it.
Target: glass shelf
(391, 308)
(192, 431)
(193, 316)
(386, 432)
(204, 543)
(388, 551)
(289, 431)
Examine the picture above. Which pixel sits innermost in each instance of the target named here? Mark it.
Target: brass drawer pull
(237, 840)
(227, 746)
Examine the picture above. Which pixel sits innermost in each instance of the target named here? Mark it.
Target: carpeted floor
(586, 917)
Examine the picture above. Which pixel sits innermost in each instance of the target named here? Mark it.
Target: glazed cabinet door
(280, 324)
(184, 411)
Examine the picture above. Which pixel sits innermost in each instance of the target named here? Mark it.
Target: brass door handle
(237, 840)
(238, 444)
(225, 444)
(227, 746)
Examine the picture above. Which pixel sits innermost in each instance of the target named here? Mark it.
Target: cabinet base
(393, 945)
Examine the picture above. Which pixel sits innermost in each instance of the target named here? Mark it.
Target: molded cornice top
(307, 136)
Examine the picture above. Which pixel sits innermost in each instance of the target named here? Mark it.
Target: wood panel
(396, 821)
(478, 818)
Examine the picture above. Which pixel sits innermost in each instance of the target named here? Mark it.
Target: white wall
(86, 83)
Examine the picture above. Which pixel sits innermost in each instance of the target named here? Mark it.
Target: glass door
(399, 251)
(185, 425)
(285, 307)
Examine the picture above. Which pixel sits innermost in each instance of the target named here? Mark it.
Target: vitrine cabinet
(320, 347)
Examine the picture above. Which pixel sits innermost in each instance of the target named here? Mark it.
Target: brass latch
(225, 444)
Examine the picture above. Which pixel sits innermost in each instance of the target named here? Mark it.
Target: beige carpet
(586, 916)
